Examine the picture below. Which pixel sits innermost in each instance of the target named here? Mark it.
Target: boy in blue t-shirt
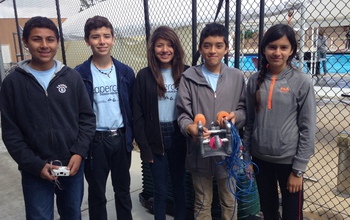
(208, 89)
(109, 84)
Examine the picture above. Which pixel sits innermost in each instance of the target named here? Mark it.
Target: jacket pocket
(53, 144)
(271, 141)
(63, 140)
(41, 144)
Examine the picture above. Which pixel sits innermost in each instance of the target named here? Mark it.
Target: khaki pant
(203, 188)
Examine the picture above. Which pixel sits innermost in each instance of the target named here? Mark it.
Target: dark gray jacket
(196, 96)
(283, 130)
(40, 125)
(147, 130)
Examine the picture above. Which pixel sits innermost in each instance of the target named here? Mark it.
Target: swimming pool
(336, 63)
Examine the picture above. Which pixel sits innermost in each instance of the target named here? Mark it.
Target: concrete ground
(12, 204)
(11, 198)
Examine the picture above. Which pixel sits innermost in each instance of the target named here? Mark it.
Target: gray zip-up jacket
(196, 96)
(283, 130)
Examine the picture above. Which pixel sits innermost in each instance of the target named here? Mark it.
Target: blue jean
(174, 160)
(109, 154)
(39, 196)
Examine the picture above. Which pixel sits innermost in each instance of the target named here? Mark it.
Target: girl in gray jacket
(280, 130)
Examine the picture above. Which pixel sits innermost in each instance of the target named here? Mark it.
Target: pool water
(335, 63)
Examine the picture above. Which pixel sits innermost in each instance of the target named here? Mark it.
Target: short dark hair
(214, 29)
(39, 22)
(95, 23)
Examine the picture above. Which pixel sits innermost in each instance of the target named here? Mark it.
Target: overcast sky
(30, 8)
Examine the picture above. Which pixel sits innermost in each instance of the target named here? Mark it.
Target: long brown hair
(177, 63)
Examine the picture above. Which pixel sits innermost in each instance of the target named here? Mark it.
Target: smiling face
(164, 52)
(213, 50)
(101, 41)
(42, 44)
(277, 53)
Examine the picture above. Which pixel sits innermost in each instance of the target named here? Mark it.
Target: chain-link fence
(327, 180)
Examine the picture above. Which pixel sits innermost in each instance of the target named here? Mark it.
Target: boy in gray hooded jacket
(208, 89)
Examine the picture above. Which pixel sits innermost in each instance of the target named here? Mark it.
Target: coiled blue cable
(240, 180)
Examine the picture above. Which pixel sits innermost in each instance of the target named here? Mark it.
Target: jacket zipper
(121, 100)
(122, 107)
(269, 101)
(56, 151)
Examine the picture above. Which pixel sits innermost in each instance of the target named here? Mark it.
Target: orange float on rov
(221, 114)
(200, 117)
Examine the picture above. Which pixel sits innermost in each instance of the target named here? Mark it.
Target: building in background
(9, 40)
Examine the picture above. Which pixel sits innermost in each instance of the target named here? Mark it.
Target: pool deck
(331, 86)
(332, 81)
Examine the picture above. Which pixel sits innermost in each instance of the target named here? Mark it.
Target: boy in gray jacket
(208, 89)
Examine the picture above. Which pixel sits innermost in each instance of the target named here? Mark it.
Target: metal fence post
(343, 177)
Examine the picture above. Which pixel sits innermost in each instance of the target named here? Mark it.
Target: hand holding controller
(61, 171)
